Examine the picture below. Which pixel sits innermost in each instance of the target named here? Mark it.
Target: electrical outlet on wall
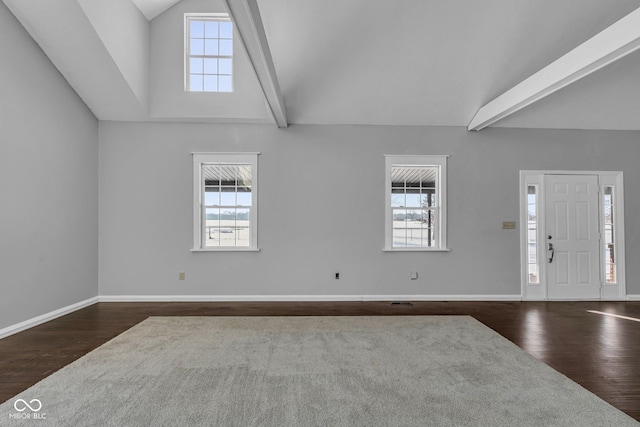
(414, 275)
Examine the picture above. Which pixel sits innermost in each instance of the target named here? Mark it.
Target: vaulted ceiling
(409, 62)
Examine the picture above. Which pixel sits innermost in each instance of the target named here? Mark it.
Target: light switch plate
(508, 225)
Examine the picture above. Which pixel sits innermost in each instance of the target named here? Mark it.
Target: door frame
(538, 291)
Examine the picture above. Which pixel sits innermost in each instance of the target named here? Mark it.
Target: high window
(415, 203)
(209, 53)
(225, 194)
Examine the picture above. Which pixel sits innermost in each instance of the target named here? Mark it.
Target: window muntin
(415, 203)
(225, 194)
(209, 53)
(609, 234)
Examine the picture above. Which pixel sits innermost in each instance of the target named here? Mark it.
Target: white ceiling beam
(613, 43)
(246, 17)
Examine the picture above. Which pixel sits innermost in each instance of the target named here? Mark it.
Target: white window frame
(200, 159)
(188, 17)
(438, 161)
(538, 291)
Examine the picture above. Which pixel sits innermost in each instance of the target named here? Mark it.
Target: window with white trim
(208, 53)
(415, 211)
(225, 195)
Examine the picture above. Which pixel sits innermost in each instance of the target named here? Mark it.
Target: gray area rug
(309, 371)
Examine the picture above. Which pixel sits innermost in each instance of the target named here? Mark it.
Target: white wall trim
(19, 327)
(284, 298)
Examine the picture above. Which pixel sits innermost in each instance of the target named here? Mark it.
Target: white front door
(572, 244)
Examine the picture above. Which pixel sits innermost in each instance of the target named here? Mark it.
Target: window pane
(397, 200)
(244, 196)
(414, 227)
(211, 47)
(244, 176)
(533, 253)
(230, 175)
(210, 66)
(196, 47)
(533, 273)
(413, 199)
(211, 29)
(211, 175)
(399, 228)
(228, 196)
(195, 83)
(212, 227)
(608, 234)
(196, 29)
(428, 200)
(225, 84)
(226, 48)
(212, 196)
(210, 83)
(195, 65)
(225, 66)
(242, 227)
(428, 223)
(226, 30)
(227, 227)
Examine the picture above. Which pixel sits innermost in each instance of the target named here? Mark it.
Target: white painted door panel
(573, 236)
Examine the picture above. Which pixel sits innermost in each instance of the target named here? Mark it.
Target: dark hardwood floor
(599, 352)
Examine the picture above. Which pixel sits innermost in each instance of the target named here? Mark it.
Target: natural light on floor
(614, 315)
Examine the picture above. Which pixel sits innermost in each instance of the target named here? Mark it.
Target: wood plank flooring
(599, 352)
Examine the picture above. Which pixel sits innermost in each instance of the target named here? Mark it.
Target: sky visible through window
(210, 55)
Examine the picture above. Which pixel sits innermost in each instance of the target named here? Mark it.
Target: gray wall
(48, 183)
(329, 180)
(167, 97)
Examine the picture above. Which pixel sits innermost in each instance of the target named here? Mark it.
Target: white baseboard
(14, 329)
(252, 298)
(284, 298)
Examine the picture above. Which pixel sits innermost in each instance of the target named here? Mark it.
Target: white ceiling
(152, 8)
(409, 62)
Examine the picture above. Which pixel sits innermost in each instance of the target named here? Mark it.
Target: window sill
(416, 250)
(225, 250)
